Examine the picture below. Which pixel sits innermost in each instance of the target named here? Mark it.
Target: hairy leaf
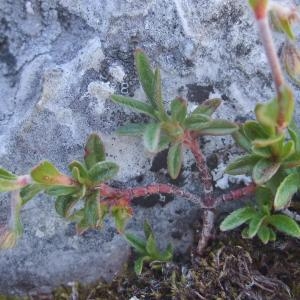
(79, 172)
(218, 127)
(135, 105)
(158, 95)
(264, 234)
(151, 247)
(45, 173)
(4, 174)
(264, 170)
(255, 224)
(208, 107)
(260, 143)
(287, 188)
(103, 171)
(147, 229)
(152, 136)
(174, 160)
(30, 191)
(267, 114)
(242, 165)
(179, 109)
(132, 129)
(92, 210)
(253, 130)
(241, 139)
(138, 265)
(94, 151)
(196, 121)
(64, 205)
(138, 244)
(285, 224)
(61, 190)
(146, 75)
(237, 218)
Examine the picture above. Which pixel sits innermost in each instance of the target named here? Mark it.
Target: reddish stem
(135, 192)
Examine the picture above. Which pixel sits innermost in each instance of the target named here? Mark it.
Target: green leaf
(267, 115)
(264, 234)
(135, 105)
(218, 127)
(92, 210)
(138, 244)
(262, 152)
(244, 233)
(132, 129)
(264, 170)
(287, 151)
(287, 104)
(237, 218)
(167, 255)
(45, 173)
(138, 265)
(164, 142)
(208, 107)
(292, 161)
(146, 75)
(94, 151)
(295, 134)
(158, 95)
(103, 171)
(64, 205)
(260, 143)
(147, 229)
(61, 190)
(196, 122)
(174, 160)
(30, 191)
(242, 165)
(7, 185)
(79, 172)
(241, 139)
(255, 224)
(152, 136)
(179, 109)
(287, 188)
(151, 247)
(121, 215)
(285, 224)
(264, 197)
(4, 174)
(273, 236)
(253, 130)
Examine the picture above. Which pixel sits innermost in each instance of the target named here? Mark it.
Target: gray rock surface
(59, 61)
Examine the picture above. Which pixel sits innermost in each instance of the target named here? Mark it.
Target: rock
(59, 61)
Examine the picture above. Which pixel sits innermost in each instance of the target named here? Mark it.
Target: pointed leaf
(242, 165)
(147, 229)
(253, 130)
(151, 247)
(64, 205)
(237, 218)
(208, 107)
(45, 173)
(260, 143)
(132, 129)
(103, 171)
(146, 75)
(288, 150)
(255, 224)
(273, 236)
(30, 191)
(138, 265)
(196, 121)
(285, 224)
(7, 185)
(79, 172)
(121, 216)
(264, 170)
(158, 95)
(219, 127)
(92, 210)
(174, 160)
(241, 139)
(94, 151)
(62, 190)
(264, 197)
(4, 174)
(152, 137)
(178, 109)
(267, 115)
(167, 255)
(287, 188)
(138, 244)
(264, 234)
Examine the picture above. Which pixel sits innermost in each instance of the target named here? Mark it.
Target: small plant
(272, 143)
(147, 250)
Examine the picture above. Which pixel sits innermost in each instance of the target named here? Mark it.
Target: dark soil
(232, 268)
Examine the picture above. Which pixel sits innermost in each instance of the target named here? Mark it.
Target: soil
(232, 268)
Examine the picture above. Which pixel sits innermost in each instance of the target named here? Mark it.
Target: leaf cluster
(147, 250)
(169, 128)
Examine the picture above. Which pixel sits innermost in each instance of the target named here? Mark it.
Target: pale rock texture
(59, 62)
